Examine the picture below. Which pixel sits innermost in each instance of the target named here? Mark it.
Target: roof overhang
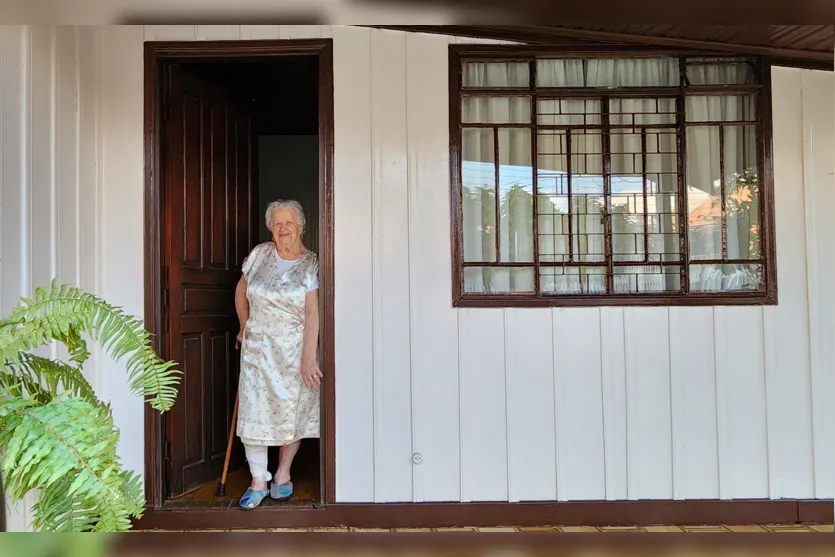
(807, 46)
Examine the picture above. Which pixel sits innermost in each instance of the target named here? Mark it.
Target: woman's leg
(285, 461)
(256, 455)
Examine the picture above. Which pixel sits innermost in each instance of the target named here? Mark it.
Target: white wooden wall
(51, 200)
(502, 405)
(562, 404)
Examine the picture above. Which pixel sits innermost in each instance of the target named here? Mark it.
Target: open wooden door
(210, 227)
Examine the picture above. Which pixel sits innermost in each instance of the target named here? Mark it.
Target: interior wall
(502, 404)
(288, 168)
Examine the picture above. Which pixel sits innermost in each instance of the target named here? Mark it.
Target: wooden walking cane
(221, 488)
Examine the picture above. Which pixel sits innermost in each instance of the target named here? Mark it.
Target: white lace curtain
(515, 180)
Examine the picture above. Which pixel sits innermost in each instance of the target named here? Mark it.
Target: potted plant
(56, 436)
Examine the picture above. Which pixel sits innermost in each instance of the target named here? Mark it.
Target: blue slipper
(252, 498)
(281, 492)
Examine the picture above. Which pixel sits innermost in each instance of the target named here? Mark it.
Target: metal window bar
(654, 263)
(723, 214)
(681, 165)
(497, 196)
(607, 193)
(535, 183)
(568, 180)
(644, 187)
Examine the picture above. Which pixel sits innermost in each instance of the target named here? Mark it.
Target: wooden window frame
(458, 54)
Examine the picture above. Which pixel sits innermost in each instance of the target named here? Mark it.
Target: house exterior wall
(502, 404)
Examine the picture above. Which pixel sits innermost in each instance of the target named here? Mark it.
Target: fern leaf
(19, 381)
(57, 373)
(66, 449)
(56, 512)
(76, 346)
(58, 438)
(64, 312)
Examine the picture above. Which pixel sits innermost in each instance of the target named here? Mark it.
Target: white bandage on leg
(256, 455)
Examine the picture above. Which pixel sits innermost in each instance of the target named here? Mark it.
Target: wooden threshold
(448, 515)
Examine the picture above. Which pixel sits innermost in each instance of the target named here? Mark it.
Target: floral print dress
(274, 406)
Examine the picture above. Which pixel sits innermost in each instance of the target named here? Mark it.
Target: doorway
(230, 127)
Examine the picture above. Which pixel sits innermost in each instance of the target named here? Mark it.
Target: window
(609, 179)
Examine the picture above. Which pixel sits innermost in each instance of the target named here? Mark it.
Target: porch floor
(718, 528)
(306, 488)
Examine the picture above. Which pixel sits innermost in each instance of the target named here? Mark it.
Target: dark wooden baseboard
(815, 512)
(440, 515)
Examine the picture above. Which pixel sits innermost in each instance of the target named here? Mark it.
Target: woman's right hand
(240, 338)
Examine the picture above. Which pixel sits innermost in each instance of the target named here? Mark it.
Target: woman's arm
(311, 374)
(242, 308)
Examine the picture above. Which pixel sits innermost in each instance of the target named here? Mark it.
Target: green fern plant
(56, 436)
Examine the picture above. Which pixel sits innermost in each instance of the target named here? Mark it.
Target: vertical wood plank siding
(501, 404)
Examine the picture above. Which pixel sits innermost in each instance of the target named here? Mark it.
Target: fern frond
(19, 382)
(66, 449)
(58, 438)
(39, 371)
(55, 512)
(64, 312)
(77, 347)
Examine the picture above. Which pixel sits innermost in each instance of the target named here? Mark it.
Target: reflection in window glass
(704, 219)
(723, 194)
(515, 195)
(650, 278)
(572, 280)
(498, 280)
(478, 196)
(742, 192)
(553, 200)
(725, 278)
(571, 200)
(587, 183)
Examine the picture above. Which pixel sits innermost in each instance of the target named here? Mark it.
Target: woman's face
(285, 227)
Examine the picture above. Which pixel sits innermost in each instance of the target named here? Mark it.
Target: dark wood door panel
(219, 200)
(208, 211)
(192, 398)
(192, 179)
(208, 301)
(208, 325)
(223, 380)
(211, 279)
(245, 232)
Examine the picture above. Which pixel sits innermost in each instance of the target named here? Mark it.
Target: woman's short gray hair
(281, 204)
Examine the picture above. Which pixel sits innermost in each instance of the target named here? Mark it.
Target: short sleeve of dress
(249, 262)
(312, 279)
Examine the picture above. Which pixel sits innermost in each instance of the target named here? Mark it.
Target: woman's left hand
(311, 374)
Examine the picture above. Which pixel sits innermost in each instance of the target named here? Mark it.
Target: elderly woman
(277, 305)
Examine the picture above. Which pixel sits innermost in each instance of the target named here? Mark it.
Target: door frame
(158, 55)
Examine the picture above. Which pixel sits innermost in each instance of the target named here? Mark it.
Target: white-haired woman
(277, 304)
